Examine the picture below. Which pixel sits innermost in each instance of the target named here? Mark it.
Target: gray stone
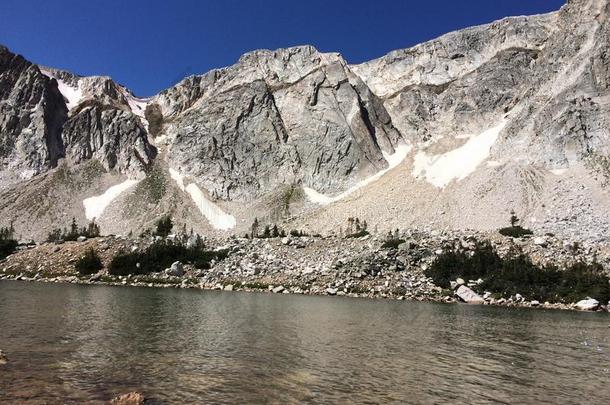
(467, 295)
(81, 239)
(278, 289)
(588, 304)
(332, 291)
(176, 269)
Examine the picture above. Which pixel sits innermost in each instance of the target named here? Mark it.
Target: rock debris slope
(452, 133)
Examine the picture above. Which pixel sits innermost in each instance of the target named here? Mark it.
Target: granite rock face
(546, 74)
(298, 118)
(292, 116)
(47, 115)
(32, 113)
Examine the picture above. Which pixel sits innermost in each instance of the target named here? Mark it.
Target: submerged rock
(131, 398)
(469, 296)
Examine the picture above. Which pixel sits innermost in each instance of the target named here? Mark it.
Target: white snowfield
(212, 212)
(440, 170)
(73, 95)
(95, 206)
(400, 153)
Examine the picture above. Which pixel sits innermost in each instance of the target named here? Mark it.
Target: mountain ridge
(511, 112)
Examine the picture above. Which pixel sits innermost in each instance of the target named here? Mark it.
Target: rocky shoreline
(352, 267)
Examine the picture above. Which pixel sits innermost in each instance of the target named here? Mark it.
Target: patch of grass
(516, 273)
(515, 231)
(392, 243)
(153, 186)
(255, 285)
(161, 255)
(90, 263)
(358, 234)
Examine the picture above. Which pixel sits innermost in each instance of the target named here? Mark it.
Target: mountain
(452, 133)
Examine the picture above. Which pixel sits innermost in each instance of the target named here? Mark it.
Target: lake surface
(75, 344)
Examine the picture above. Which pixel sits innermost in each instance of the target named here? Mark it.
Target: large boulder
(176, 270)
(467, 295)
(589, 304)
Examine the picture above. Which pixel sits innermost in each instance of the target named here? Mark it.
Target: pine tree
(514, 220)
(275, 232)
(255, 228)
(164, 226)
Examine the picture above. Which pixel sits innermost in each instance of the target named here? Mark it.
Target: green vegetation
(153, 187)
(358, 234)
(392, 243)
(164, 226)
(159, 256)
(515, 230)
(355, 228)
(92, 230)
(90, 263)
(8, 244)
(516, 273)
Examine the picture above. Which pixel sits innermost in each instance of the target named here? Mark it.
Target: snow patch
(95, 206)
(215, 215)
(440, 170)
(400, 153)
(212, 212)
(73, 95)
(177, 177)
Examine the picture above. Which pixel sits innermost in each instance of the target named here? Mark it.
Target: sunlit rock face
(292, 116)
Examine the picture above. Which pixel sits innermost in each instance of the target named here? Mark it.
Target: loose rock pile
(308, 265)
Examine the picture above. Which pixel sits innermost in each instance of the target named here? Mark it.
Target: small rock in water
(278, 289)
(535, 303)
(131, 398)
(3, 359)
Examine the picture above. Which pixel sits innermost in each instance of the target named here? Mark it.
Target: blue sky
(150, 45)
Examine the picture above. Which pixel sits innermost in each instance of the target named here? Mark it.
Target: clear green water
(83, 344)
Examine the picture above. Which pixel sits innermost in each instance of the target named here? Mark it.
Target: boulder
(534, 303)
(278, 289)
(467, 295)
(81, 239)
(540, 241)
(176, 270)
(589, 304)
(228, 287)
(331, 291)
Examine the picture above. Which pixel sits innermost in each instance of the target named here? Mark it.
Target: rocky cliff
(452, 133)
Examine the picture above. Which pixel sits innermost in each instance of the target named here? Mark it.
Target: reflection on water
(71, 344)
